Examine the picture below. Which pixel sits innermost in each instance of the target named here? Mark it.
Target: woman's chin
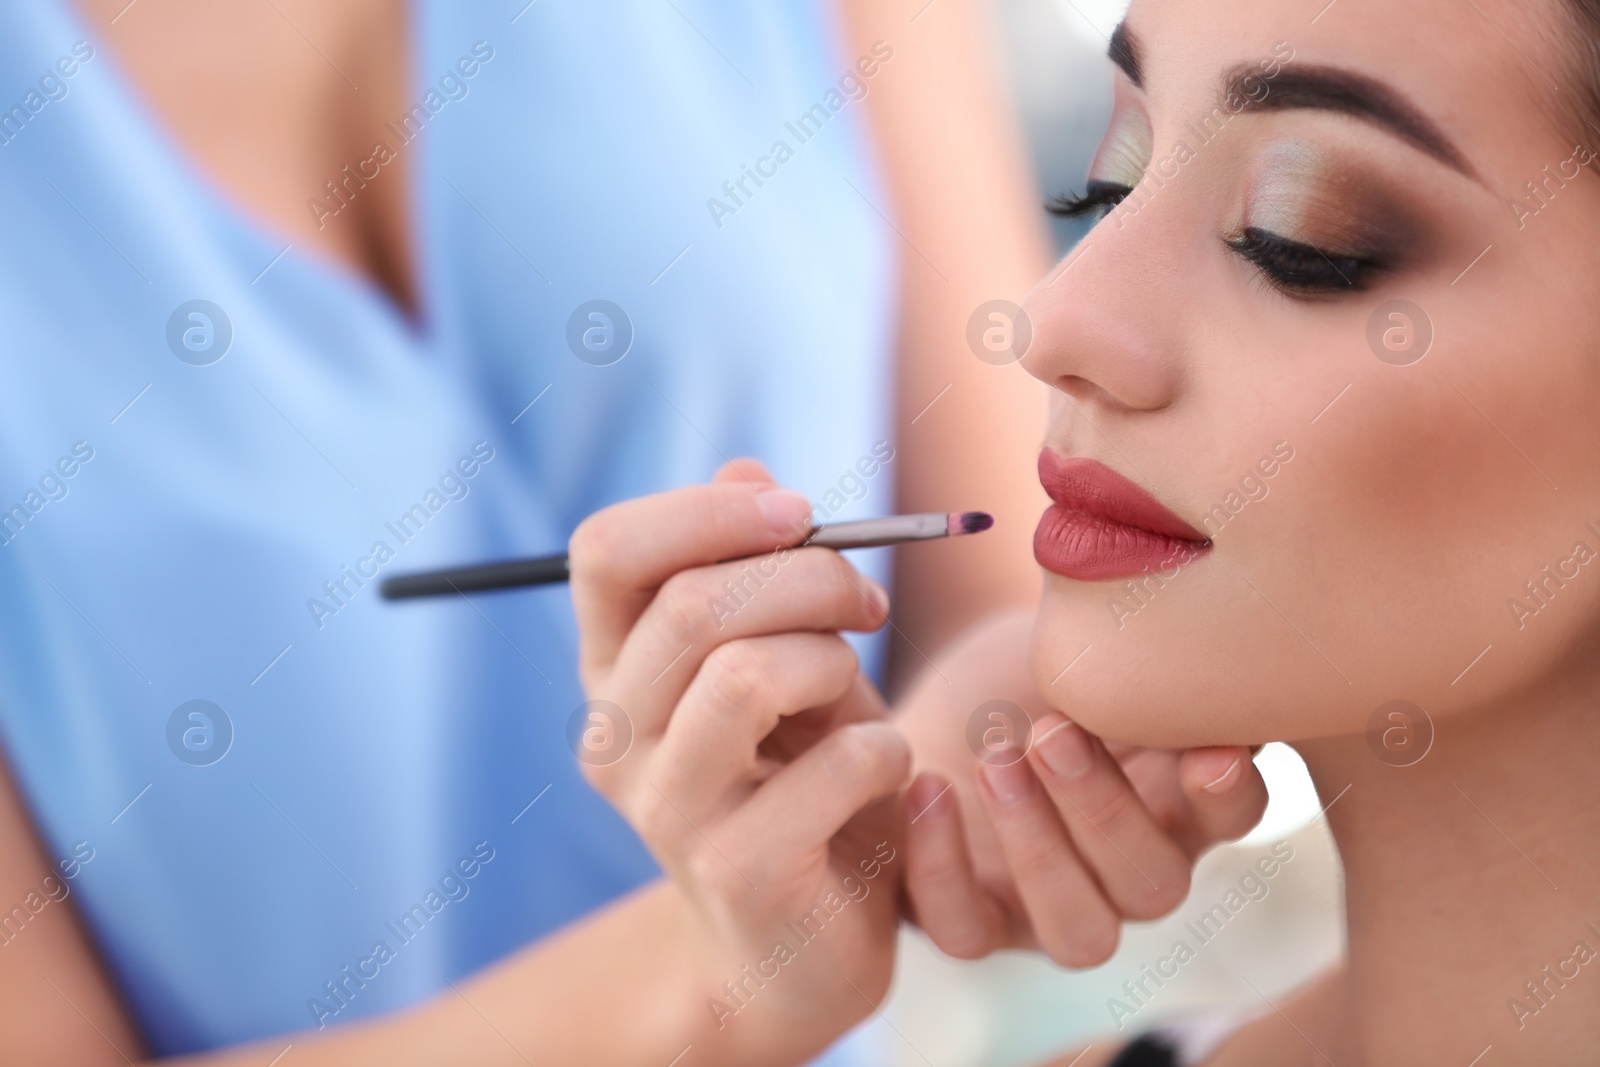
(1164, 683)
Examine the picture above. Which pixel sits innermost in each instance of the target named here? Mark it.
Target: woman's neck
(1472, 887)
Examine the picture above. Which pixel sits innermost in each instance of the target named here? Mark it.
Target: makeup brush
(543, 570)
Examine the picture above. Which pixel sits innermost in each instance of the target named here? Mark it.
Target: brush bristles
(969, 522)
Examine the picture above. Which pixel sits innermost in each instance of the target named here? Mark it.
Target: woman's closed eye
(1293, 267)
(1344, 237)
(1299, 269)
(1095, 202)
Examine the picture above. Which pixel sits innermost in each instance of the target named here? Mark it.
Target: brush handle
(878, 533)
(511, 574)
(543, 570)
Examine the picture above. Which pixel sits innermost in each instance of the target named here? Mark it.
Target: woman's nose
(1106, 320)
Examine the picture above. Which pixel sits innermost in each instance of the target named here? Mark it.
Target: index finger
(620, 556)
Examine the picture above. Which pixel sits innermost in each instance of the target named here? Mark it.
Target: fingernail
(1010, 782)
(878, 595)
(1225, 779)
(787, 513)
(1065, 749)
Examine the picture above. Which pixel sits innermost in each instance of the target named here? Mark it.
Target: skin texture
(1383, 562)
(1059, 870)
(269, 123)
(728, 713)
(1057, 861)
(1188, 404)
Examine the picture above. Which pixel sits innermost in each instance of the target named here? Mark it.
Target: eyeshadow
(1125, 150)
(1301, 193)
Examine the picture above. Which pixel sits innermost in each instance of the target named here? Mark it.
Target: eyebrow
(1347, 93)
(1124, 52)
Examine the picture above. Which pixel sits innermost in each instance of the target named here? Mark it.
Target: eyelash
(1300, 269)
(1291, 267)
(1096, 201)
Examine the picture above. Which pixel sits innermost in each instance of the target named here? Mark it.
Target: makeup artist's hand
(762, 772)
(1055, 850)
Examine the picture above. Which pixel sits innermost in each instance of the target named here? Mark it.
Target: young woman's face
(1336, 331)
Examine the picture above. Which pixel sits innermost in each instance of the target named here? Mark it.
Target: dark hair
(1587, 13)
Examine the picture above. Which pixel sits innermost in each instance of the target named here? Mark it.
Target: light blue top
(181, 527)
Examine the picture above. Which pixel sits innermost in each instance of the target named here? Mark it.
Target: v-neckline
(275, 243)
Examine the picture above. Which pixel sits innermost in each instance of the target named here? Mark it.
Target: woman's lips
(1102, 526)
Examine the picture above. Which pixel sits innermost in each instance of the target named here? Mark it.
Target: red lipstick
(1103, 526)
